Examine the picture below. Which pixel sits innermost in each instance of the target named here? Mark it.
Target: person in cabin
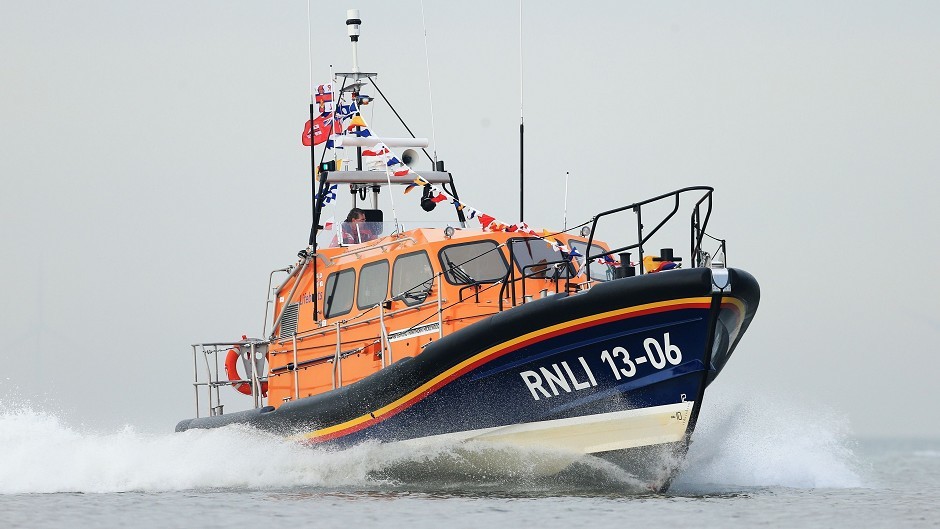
(355, 230)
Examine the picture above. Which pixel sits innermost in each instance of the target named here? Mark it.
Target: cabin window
(599, 271)
(473, 262)
(373, 284)
(536, 258)
(412, 278)
(338, 294)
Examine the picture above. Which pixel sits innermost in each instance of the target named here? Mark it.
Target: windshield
(600, 270)
(354, 233)
(474, 262)
(537, 258)
(349, 233)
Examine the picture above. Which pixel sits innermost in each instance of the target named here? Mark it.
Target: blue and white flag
(346, 111)
(329, 195)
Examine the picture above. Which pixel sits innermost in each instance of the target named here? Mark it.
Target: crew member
(355, 230)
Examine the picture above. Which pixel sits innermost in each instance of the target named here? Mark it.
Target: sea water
(753, 462)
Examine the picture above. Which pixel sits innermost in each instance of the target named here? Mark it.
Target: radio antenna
(521, 122)
(566, 202)
(313, 157)
(427, 61)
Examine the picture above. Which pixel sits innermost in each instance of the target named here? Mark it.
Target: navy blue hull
(584, 383)
(628, 344)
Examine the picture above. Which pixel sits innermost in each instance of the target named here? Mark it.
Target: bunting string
(347, 120)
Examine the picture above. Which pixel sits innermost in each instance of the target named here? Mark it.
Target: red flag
(439, 198)
(486, 220)
(375, 151)
(305, 138)
(320, 129)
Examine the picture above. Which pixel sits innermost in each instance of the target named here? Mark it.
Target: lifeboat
(485, 330)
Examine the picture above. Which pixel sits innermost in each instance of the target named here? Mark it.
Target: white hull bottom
(588, 434)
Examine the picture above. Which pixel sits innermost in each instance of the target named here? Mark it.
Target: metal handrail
(213, 380)
(397, 240)
(327, 330)
(641, 239)
(701, 214)
(510, 279)
(290, 296)
(268, 301)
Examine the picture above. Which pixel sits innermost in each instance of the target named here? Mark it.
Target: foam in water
(759, 441)
(39, 454)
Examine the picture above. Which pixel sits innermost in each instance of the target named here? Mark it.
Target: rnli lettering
(559, 376)
(551, 381)
(307, 297)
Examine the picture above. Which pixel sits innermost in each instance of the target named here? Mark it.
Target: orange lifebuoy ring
(231, 371)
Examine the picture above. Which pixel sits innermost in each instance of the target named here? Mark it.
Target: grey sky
(152, 173)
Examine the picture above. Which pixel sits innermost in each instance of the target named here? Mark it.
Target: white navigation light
(352, 24)
(585, 231)
(352, 27)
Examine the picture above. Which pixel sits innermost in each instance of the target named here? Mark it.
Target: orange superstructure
(384, 300)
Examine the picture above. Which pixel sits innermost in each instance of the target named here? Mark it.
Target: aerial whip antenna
(566, 202)
(521, 120)
(313, 158)
(309, 51)
(427, 61)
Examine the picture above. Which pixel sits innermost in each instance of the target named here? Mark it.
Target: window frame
(388, 276)
(409, 302)
(445, 268)
(587, 251)
(352, 299)
(569, 272)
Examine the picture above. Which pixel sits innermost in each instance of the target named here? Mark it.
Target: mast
(352, 29)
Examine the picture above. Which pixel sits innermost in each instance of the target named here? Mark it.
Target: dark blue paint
(496, 395)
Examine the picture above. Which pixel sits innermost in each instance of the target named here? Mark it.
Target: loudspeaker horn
(409, 158)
